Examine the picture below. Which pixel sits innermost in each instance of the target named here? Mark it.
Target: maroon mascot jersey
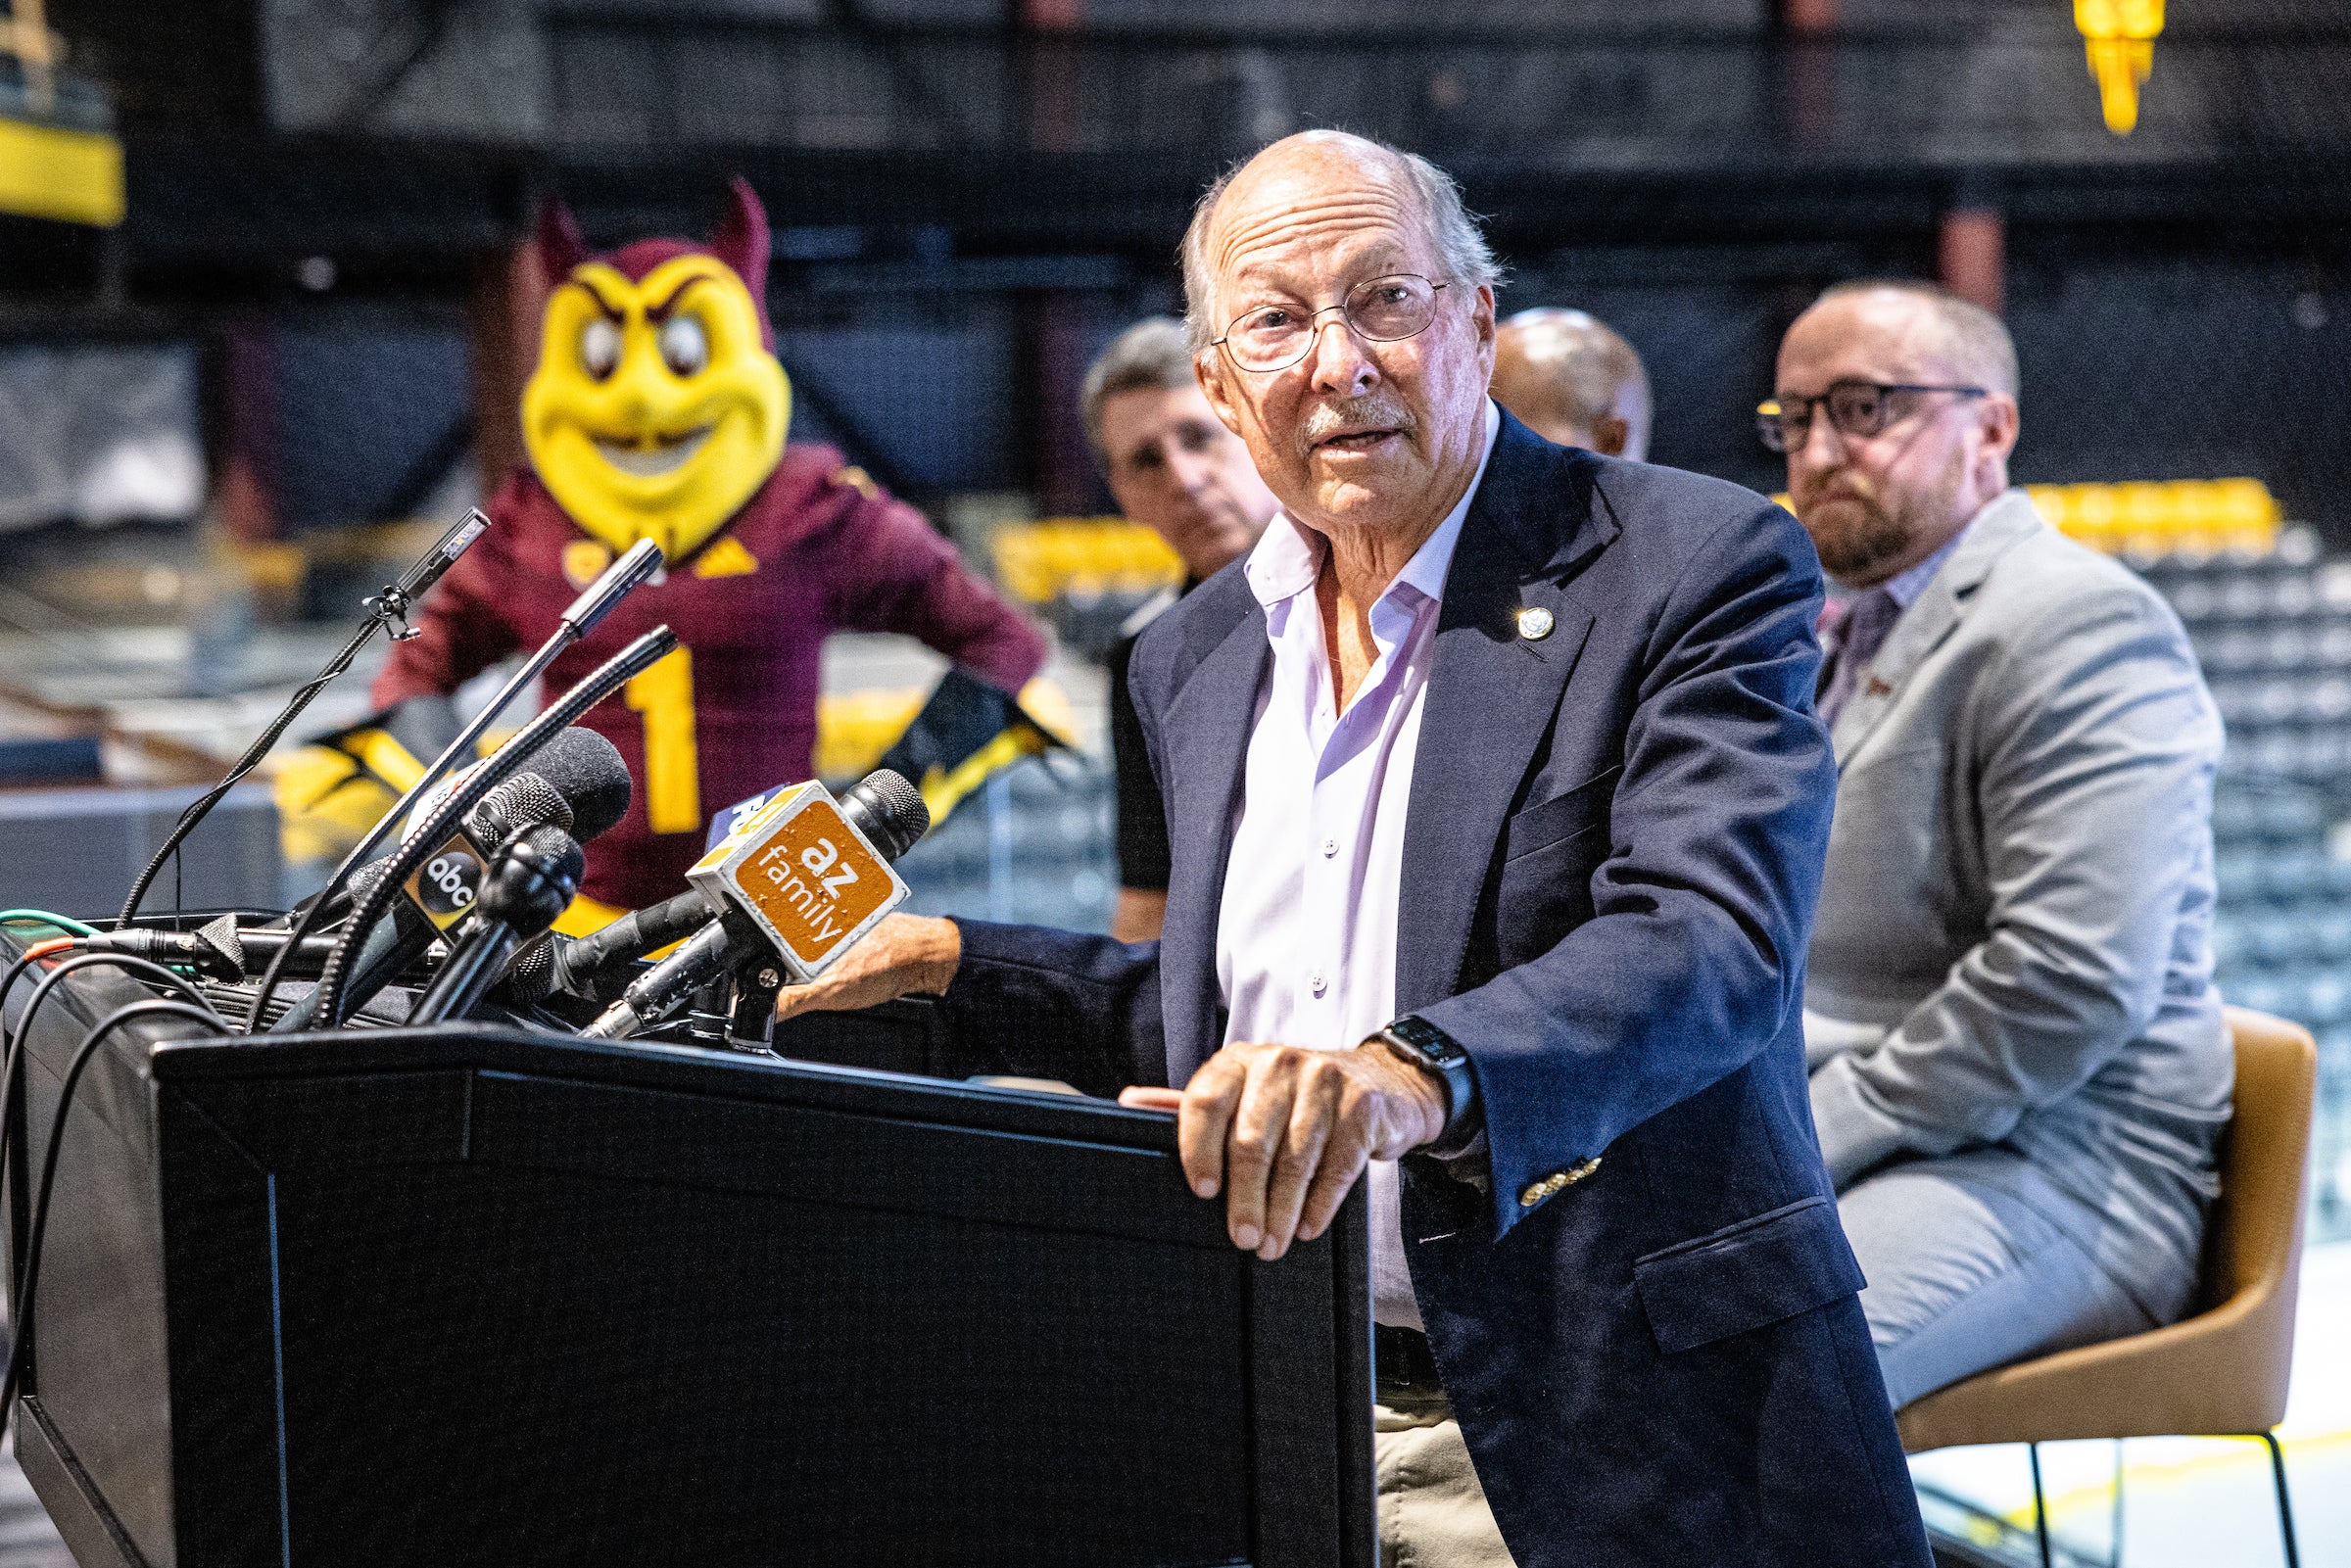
(818, 548)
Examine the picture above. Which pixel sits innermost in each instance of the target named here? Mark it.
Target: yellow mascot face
(656, 410)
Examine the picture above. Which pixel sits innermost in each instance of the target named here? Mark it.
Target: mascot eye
(600, 348)
(684, 347)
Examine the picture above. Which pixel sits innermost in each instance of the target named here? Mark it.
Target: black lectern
(478, 1296)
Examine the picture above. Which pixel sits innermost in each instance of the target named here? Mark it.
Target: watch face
(1426, 1038)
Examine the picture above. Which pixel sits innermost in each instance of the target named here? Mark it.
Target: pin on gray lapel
(1535, 623)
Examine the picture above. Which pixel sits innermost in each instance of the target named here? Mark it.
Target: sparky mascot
(658, 411)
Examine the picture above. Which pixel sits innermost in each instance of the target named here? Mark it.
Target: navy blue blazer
(1611, 854)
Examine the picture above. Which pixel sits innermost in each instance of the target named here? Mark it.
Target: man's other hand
(1285, 1131)
(903, 955)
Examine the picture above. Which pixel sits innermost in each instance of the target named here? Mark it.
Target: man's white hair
(1462, 249)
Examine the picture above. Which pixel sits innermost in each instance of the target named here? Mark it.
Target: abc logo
(444, 886)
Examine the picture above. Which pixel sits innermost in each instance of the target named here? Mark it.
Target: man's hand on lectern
(1285, 1131)
(903, 955)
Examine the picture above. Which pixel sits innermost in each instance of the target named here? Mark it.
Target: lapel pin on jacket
(1535, 623)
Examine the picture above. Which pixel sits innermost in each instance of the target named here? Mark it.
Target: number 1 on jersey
(673, 790)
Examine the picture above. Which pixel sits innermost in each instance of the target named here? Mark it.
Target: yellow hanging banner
(75, 176)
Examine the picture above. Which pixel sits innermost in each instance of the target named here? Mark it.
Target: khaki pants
(1432, 1512)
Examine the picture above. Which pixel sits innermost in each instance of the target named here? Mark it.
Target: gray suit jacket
(2013, 944)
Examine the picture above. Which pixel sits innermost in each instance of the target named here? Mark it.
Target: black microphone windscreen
(888, 811)
(530, 975)
(557, 850)
(587, 770)
(525, 800)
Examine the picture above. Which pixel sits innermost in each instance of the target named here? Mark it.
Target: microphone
(797, 883)
(526, 885)
(223, 950)
(395, 601)
(612, 584)
(594, 968)
(443, 889)
(587, 967)
(387, 609)
(592, 795)
(616, 582)
(429, 835)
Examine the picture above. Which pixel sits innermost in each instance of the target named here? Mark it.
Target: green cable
(71, 927)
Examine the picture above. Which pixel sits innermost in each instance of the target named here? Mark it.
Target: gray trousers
(1973, 1263)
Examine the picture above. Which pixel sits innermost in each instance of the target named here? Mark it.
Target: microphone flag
(807, 877)
(723, 826)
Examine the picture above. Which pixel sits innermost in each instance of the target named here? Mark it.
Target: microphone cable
(13, 1044)
(28, 1274)
(545, 966)
(423, 841)
(617, 581)
(41, 917)
(35, 952)
(9, 1039)
(386, 611)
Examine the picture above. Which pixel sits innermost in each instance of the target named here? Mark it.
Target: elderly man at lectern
(1496, 807)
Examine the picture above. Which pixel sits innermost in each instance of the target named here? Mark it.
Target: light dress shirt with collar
(1849, 616)
(1306, 935)
(1903, 587)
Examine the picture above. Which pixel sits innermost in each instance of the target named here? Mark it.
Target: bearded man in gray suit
(2017, 1061)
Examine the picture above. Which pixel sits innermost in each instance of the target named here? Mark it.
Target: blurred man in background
(1175, 469)
(2018, 1065)
(1574, 382)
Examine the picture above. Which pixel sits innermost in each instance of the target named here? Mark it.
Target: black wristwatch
(1429, 1047)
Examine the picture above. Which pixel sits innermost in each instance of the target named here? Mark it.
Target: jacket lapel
(1206, 740)
(1492, 692)
(1931, 618)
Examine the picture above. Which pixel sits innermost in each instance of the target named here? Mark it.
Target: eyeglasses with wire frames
(1274, 336)
(1857, 408)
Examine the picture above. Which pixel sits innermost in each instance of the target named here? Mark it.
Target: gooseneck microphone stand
(386, 611)
(648, 649)
(617, 582)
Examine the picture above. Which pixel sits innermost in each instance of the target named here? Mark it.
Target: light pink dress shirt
(1306, 935)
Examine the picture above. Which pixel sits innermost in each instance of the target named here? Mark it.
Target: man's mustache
(1843, 486)
(1378, 410)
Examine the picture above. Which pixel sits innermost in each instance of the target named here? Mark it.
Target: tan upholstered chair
(2222, 1372)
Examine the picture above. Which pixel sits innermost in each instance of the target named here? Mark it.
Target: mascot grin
(659, 406)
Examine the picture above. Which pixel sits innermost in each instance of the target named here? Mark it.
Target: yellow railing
(1080, 557)
(2161, 518)
(2175, 516)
